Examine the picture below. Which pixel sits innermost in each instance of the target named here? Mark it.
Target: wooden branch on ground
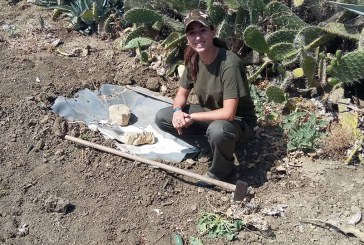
(345, 229)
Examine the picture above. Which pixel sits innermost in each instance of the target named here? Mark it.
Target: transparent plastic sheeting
(92, 108)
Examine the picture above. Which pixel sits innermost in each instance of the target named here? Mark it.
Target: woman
(225, 113)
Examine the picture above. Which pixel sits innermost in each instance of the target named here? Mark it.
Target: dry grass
(337, 142)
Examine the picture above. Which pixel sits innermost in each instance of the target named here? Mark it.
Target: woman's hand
(188, 120)
(178, 121)
(181, 120)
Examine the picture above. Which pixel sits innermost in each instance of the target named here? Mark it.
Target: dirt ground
(55, 192)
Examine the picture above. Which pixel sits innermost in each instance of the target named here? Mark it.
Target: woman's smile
(199, 36)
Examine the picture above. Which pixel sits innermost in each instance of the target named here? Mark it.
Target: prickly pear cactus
(157, 26)
(241, 21)
(282, 51)
(226, 29)
(256, 7)
(339, 29)
(180, 42)
(232, 4)
(56, 13)
(288, 20)
(172, 56)
(216, 11)
(254, 38)
(281, 36)
(137, 32)
(308, 65)
(275, 94)
(171, 38)
(143, 56)
(283, 17)
(139, 42)
(142, 16)
(348, 68)
(173, 24)
(307, 35)
(277, 8)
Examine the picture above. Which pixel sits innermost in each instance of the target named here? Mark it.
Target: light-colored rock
(119, 114)
(139, 138)
(181, 69)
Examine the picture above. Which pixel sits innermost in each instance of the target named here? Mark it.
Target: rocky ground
(55, 192)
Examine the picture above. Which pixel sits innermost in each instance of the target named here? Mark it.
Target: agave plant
(86, 15)
(356, 8)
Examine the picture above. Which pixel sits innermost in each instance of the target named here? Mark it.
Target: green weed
(303, 130)
(86, 136)
(259, 100)
(215, 226)
(11, 31)
(4, 190)
(195, 241)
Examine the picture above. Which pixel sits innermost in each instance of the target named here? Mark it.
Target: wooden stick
(224, 185)
(341, 228)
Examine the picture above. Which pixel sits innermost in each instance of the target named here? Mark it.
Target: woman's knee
(163, 116)
(221, 131)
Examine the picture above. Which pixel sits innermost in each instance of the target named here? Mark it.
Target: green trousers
(223, 137)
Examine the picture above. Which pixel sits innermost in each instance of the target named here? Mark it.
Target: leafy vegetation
(213, 225)
(303, 130)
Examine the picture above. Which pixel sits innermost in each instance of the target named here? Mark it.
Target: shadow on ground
(257, 157)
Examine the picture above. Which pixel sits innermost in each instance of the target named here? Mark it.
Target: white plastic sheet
(91, 107)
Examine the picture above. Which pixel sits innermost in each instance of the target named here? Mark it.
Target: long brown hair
(191, 57)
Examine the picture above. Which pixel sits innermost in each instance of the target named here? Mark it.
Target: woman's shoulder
(230, 58)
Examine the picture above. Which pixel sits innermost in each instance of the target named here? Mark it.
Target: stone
(57, 205)
(119, 114)
(139, 138)
(56, 43)
(153, 84)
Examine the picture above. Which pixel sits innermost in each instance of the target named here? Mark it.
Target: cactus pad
(176, 43)
(173, 24)
(257, 5)
(142, 16)
(226, 29)
(138, 42)
(171, 56)
(143, 56)
(135, 33)
(288, 20)
(216, 11)
(340, 29)
(171, 38)
(254, 39)
(308, 65)
(232, 4)
(282, 51)
(283, 17)
(275, 94)
(285, 36)
(348, 68)
(277, 8)
(307, 35)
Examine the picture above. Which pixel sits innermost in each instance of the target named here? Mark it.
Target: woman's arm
(181, 97)
(226, 113)
(178, 120)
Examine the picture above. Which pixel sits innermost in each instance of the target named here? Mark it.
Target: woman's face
(200, 37)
